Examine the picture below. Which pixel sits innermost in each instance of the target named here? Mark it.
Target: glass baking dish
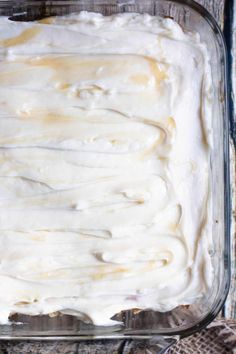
(181, 321)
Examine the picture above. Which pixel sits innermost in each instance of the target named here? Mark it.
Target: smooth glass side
(182, 320)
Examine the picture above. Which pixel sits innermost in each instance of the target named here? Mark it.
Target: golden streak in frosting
(104, 197)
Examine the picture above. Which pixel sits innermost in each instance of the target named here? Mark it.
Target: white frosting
(104, 150)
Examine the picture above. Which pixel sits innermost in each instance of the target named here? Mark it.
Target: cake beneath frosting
(105, 127)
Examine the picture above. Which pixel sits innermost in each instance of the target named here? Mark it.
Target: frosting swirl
(104, 193)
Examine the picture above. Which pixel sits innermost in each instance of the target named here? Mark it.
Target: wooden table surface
(217, 9)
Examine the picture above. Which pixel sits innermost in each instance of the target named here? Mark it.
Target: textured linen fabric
(218, 338)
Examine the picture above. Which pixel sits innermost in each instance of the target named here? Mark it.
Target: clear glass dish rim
(209, 317)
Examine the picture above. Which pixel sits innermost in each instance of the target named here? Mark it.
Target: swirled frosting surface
(105, 126)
